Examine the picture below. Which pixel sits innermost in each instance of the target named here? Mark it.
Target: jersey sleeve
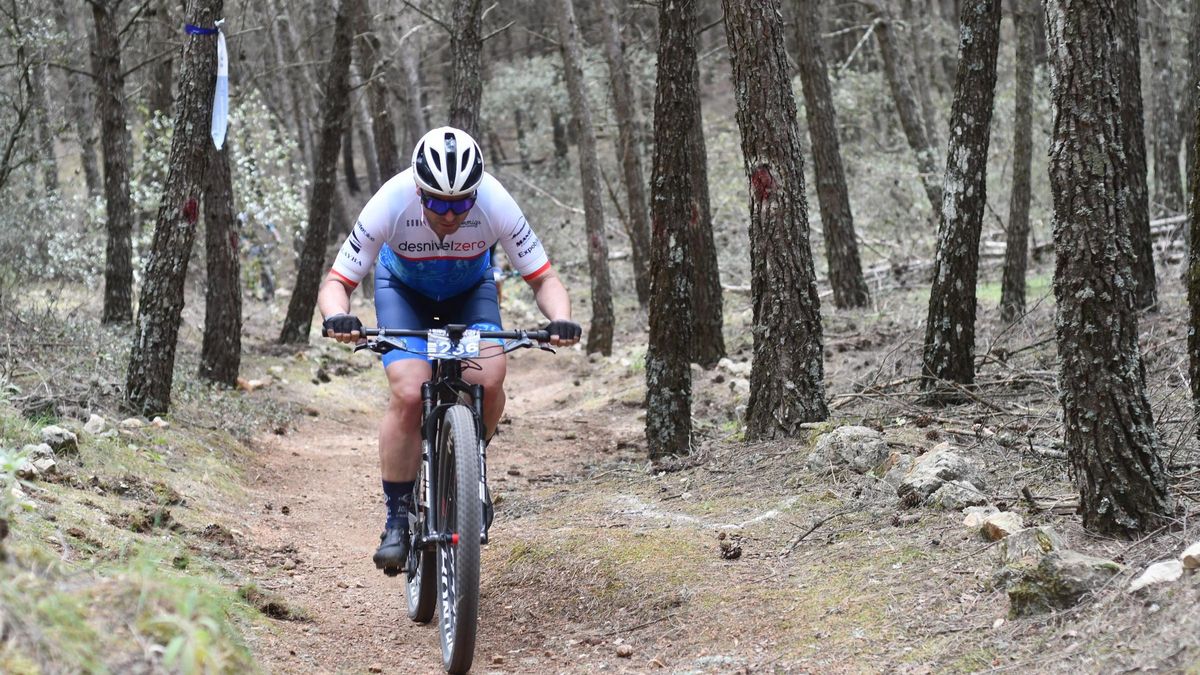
(518, 240)
(373, 228)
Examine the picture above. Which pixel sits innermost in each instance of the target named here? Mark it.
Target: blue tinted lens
(441, 206)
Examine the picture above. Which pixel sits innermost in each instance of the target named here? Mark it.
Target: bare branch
(497, 31)
(429, 16)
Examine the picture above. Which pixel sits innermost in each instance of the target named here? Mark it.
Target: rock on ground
(935, 468)
(1060, 581)
(1159, 573)
(95, 425)
(1191, 556)
(60, 439)
(956, 495)
(1026, 548)
(975, 515)
(859, 449)
(1000, 525)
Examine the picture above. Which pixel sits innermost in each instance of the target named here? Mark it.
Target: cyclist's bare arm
(334, 299)
(552, 299)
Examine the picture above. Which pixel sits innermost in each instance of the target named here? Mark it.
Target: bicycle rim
(459, 512)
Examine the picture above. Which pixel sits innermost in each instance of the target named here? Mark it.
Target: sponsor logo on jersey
(354, 241)
(528, 249)
(351, 258)
(413, 222)
(440, 247)
(363, 228)
(468, 224)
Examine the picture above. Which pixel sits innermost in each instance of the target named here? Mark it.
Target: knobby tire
(459, 511)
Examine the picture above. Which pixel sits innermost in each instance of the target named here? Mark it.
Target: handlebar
(378, 339)
(532, 335)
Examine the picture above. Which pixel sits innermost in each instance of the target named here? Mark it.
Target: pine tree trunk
(708, 316)
(1016, 251)
(1193, 273)
(466, 83)
(949, 354)
(1109, 429)
(335, 100)
(45, 139)
(837, 223)
(668, 369)
(627, 151)
(348, 170)
(365, 130)
(786, 379)
(1129, 78)
(910, 118)
(159, 96)
(600, 334)
(152, 359)
(221, 353)
(115, 142)
(414, 113)
(1168, 184)
(79, 104)
(373, 66)
(1191, 97)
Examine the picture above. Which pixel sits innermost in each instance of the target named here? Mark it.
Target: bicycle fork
(484, 505)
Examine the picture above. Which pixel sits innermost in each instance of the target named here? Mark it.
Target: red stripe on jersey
(344, 280)
(537, 272)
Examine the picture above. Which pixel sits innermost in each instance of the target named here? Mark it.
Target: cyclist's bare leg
(492, 379)
(400, 429)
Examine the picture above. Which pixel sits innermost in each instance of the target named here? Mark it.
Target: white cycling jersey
(392, 230)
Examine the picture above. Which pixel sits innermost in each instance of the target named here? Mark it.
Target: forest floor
(735, 559)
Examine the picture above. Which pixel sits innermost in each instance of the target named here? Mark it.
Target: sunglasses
(441, 206)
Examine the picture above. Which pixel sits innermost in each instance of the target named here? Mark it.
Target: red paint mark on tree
(191, 210)
(233, 241)
(762, 182)
(695, 217)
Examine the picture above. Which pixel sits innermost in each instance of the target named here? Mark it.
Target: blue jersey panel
(437, 278)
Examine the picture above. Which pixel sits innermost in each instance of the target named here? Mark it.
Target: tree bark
(1109, 428)
(45, 139)
(786, 379)
(414, 113)
(1193, 273)
(906, 107)
(600, 335)
(1016, 252)
(159, 95)
(115, 142)
(1168, 184)
(334, 102)
(79, 104)
(1192, 96)
(152, 359)
(630, 160)
(668, 369)
(373, 66)
(466, 83)
(837, 222)
(708, 339)
(949, 354)
(348, 170)
(221, 352)
(1129, 78)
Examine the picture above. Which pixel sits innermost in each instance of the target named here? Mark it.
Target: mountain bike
(452, 509)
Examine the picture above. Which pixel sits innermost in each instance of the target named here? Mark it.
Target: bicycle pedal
(392, 571)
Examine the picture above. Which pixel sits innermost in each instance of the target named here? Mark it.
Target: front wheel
(458, 513)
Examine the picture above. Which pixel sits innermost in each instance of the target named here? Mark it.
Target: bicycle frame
(445, 389)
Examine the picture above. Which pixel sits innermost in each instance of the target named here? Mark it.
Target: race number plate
(441, 347)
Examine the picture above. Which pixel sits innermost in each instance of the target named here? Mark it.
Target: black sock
(397, 495)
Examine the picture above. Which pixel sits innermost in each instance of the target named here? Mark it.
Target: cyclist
(428, 232)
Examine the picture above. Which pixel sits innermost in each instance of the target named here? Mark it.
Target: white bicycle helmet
(447, 162)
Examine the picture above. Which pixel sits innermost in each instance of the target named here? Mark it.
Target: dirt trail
(316, 503)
